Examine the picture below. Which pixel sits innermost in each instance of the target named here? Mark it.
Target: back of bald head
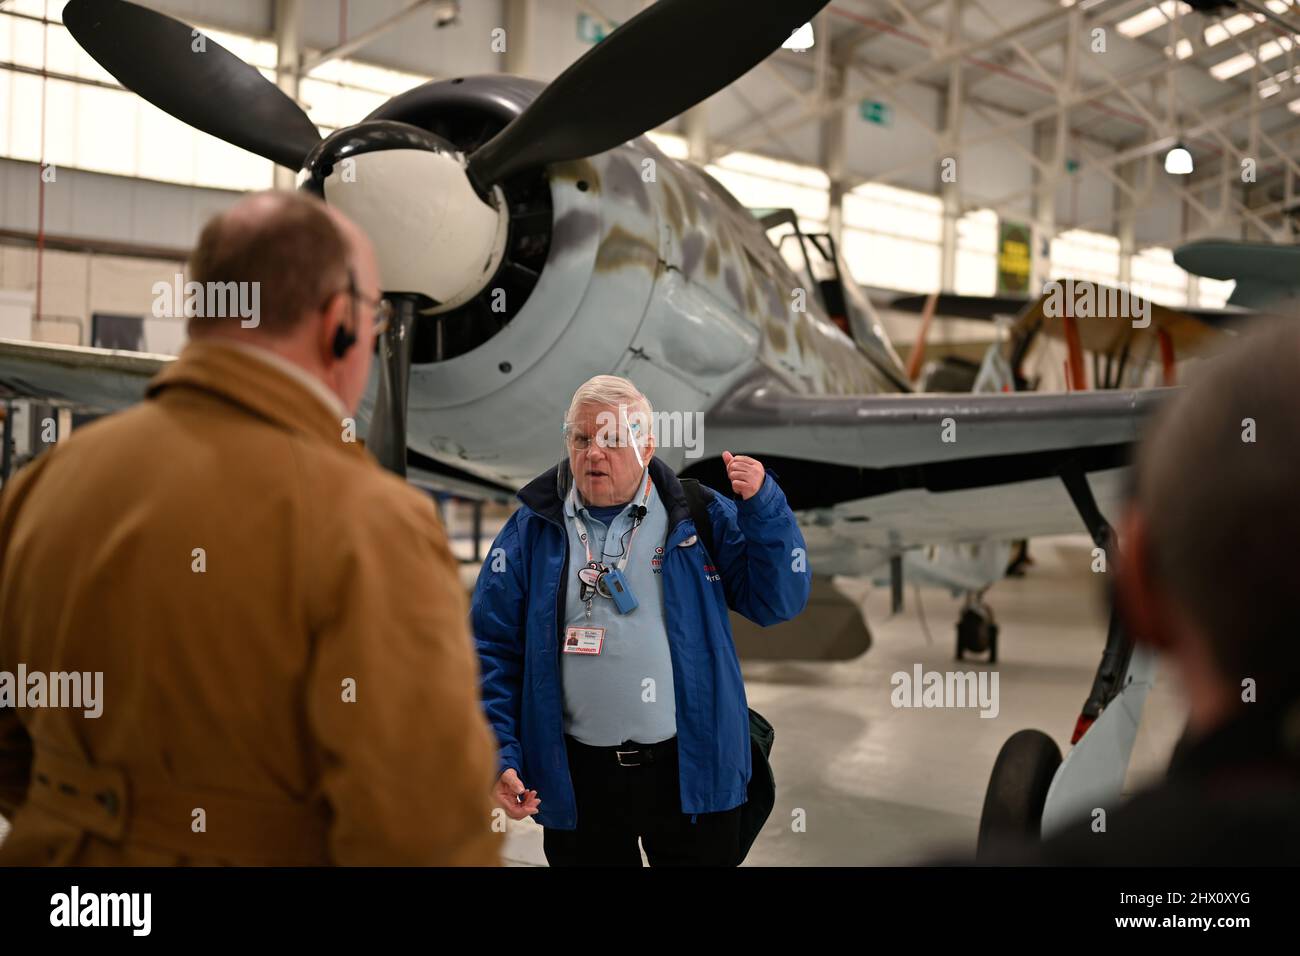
(1217, 481)
(291, 244)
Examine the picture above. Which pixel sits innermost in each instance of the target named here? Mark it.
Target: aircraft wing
(108, 380)
(73, 376)
(871, 475)
(959, 306)
(882, 474)
(1265, 272)
(986, 307)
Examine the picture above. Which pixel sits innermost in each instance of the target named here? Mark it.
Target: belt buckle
(618, 754)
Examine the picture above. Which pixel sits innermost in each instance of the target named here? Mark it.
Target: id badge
(583, 640)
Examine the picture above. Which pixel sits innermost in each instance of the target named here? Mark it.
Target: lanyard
(585, 538)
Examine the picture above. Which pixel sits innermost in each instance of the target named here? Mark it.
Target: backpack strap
(697, 500)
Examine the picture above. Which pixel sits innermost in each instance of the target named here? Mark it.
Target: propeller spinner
(441, 241)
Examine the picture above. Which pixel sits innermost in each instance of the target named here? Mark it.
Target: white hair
(613, 392)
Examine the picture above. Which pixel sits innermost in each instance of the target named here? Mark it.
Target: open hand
(507, 792)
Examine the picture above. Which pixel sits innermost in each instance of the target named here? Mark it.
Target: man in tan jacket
(287, 675)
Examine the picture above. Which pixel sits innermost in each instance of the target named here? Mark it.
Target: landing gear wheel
(1013, 805)
(977, 631)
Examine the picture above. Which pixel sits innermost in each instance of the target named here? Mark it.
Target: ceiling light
(446, 13)
(1178, 161)
(801, 39)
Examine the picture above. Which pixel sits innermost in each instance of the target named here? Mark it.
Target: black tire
(973, 630)
(1013, 804)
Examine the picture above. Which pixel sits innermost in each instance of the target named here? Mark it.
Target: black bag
(761, 795)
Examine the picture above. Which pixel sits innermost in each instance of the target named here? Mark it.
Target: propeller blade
(213, 90)
(387, 436)
(663, 61)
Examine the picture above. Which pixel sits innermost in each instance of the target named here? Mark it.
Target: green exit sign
(874, 111)
(592, 30)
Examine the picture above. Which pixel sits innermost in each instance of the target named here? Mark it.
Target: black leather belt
(629, 753)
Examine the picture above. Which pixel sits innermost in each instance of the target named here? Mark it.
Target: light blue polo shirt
(626, 691)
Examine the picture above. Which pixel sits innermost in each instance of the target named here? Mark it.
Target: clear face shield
(616, 431)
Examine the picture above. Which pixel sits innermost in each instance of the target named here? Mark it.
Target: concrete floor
(879, 785)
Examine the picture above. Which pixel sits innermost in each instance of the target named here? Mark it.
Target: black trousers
(617, 805)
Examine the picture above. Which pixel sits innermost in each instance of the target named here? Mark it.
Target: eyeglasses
(578, 441)
(383, 307)
(383, 314)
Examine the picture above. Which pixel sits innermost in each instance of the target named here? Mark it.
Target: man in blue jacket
(609, 671)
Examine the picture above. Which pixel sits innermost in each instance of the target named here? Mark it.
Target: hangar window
(1213, 293)
(1156, 277)
(1079, 254)
(889, 262)
(977, 253)
(760, 182)
(1151, 18)
(671, 144)
(757, 181)
(1242, 62)
(340, 92)
(891, 237)
(92, 123)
